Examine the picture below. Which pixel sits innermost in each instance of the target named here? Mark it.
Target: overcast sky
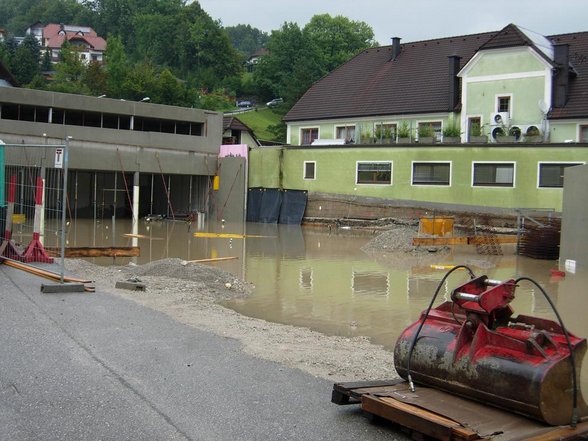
(411, 20)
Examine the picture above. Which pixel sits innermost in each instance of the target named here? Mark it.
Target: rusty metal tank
(472, 346)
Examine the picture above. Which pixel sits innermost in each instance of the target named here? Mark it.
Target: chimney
(561, 80)
(453, 81)
(395, 48)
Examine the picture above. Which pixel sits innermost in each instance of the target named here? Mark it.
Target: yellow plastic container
(436, 226)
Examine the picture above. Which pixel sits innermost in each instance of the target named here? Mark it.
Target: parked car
(275, 102)
(244, 104)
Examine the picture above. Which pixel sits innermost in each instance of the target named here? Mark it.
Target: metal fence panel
(33, 202)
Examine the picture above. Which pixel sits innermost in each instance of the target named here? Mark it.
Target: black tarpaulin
(271, 205)
(293, 206)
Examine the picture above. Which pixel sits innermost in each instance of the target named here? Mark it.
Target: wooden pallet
(442, 416)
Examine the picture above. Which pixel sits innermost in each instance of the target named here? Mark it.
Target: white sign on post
(58, 158)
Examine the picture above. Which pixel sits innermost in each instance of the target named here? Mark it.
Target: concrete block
(133, 286)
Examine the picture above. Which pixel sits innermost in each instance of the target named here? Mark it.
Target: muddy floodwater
(321, 279)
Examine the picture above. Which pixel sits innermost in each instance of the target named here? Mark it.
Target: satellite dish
(543, 106)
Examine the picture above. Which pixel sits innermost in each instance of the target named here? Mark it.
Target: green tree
(69, 72)
(94, 78)
(338, 39)
(18, 15)
(207, 56)
(246, 39)
(291, 65)
(25, 63)
(140, 81)
(299, 57)
(117, 67)
(46, 63)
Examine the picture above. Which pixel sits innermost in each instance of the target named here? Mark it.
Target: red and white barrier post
(34, 251)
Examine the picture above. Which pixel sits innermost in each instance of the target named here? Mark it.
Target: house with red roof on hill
(84, 39)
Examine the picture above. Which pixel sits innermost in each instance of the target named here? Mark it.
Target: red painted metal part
(35, 252)
(473, 346)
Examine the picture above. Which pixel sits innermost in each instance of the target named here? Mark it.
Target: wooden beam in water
(214, 259)
(96, 251)
(463, 240)
(225, 235)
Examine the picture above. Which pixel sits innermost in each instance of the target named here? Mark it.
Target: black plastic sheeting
(272, 205)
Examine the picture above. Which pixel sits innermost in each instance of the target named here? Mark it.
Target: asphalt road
(81, 366)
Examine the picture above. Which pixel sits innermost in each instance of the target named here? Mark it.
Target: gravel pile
(396, 239)
(394, 247)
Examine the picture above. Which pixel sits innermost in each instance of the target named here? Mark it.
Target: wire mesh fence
(33, 202)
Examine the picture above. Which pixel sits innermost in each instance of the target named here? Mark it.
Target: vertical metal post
(151, 196)
(135, 208)
(64, 206)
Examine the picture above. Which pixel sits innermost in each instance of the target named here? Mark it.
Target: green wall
(336, 172)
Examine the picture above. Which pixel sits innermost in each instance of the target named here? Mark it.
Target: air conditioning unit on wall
(500, 119)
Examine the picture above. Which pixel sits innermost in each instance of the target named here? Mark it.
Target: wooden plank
(227, 235)
(563, 433)
(351, 392)
(213, 259)
(432, 241)
(95, 251)
(409, 416)
(142, 236)
(463, 240)
(496, 238)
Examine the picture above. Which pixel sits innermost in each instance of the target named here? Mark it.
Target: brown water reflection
(320, 279)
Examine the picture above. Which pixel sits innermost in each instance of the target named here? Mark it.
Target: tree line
(175, 53)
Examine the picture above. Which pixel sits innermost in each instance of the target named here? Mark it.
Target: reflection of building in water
(370, 283)
(305, 280)
(420, 288)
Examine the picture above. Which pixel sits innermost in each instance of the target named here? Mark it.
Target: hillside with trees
(175, 53)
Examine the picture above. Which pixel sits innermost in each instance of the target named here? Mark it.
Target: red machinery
(473, 347)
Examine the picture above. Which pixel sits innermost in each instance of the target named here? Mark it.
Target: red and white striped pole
(8, 249)
(34, 251)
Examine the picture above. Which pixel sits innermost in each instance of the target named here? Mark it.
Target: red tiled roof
(418, 80)
(54, 38)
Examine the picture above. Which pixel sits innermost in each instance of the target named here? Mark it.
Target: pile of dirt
(394, 247)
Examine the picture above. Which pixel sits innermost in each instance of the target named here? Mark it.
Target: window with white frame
(309, 170)
(503, 104)
(374, 173)
(308, 135)
(551, 174)
(431, 173)
(345, 132)
(493, 174)
(583, 133)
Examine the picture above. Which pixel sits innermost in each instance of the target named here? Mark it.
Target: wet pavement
(83, 366)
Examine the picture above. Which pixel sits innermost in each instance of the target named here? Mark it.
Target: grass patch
(259, 120)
